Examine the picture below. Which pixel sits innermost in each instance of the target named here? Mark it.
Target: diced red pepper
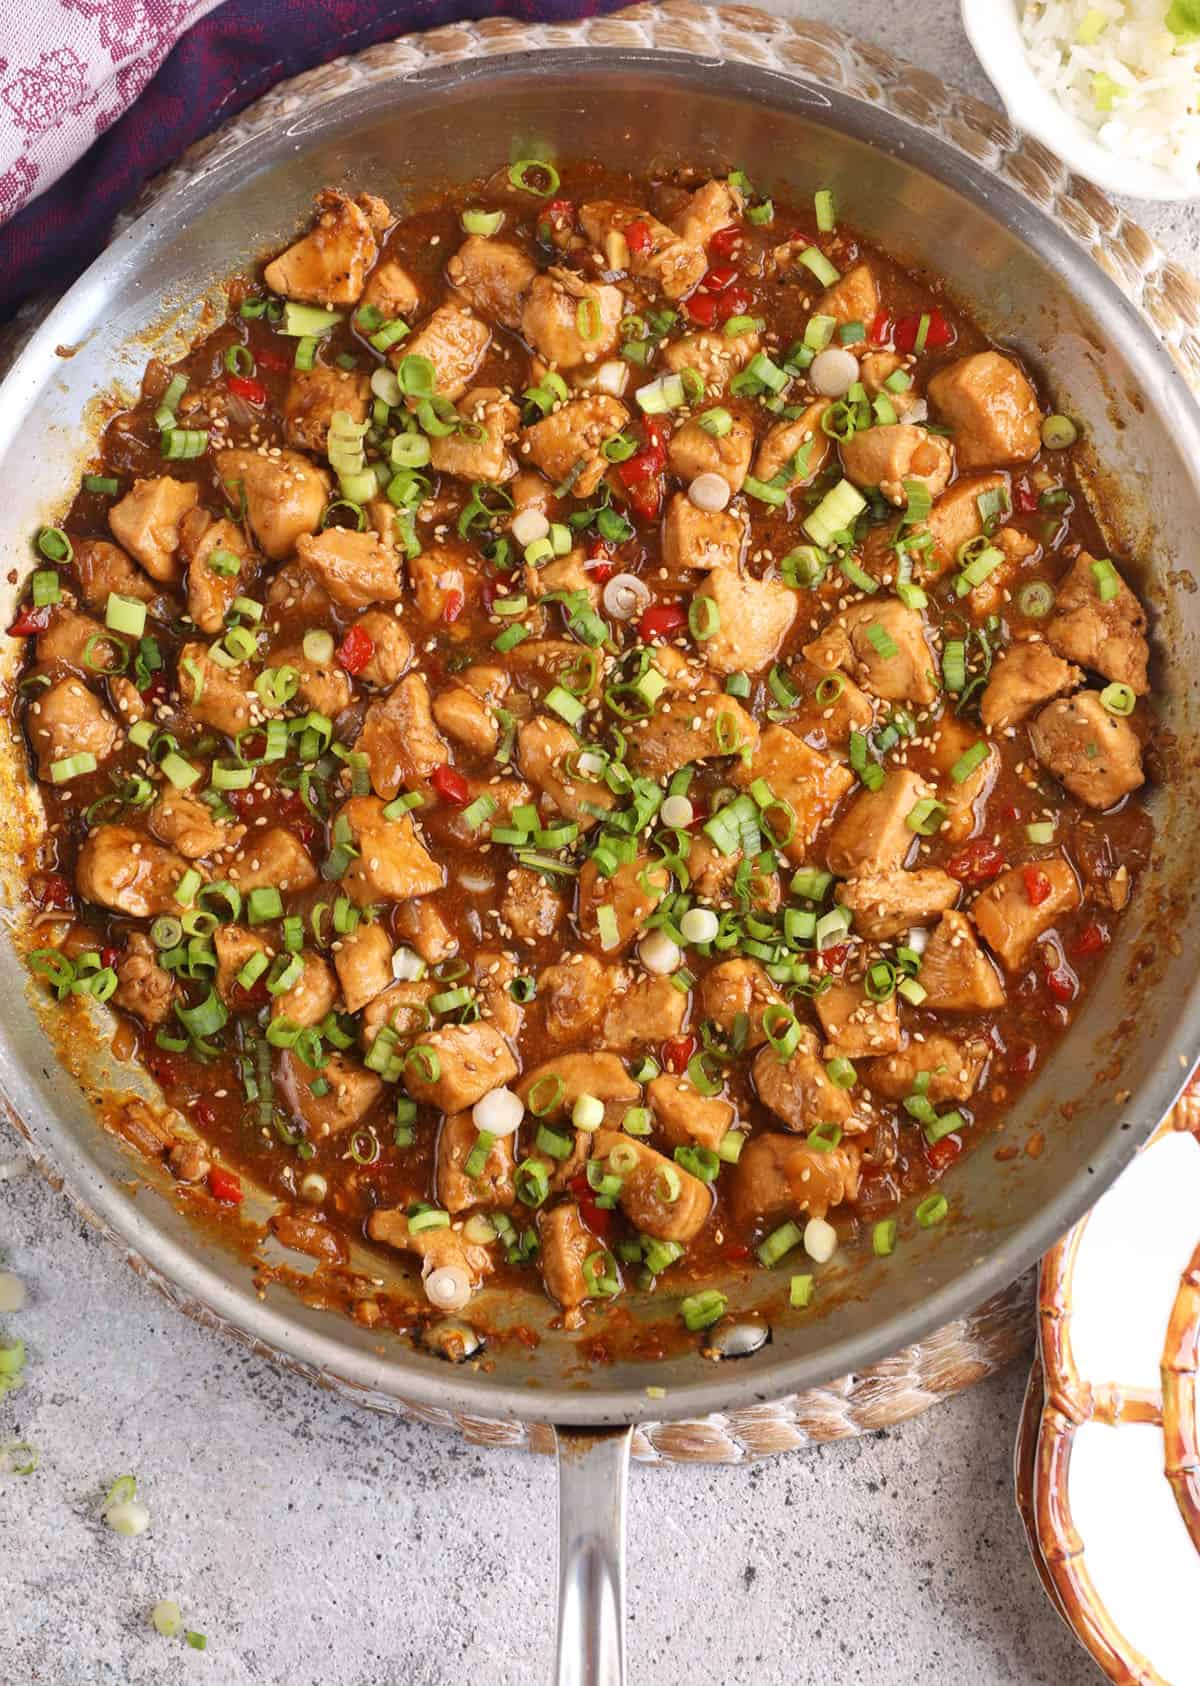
(938, 334)
(601, 572)
(1090, 940)
(163, 1067)
(736, 1252)
(1061, 984)
(734, 301)
(978, 862)
(881, 329)
(244, 1000)
(657, 433)
(205, 1114)
(452, 608)
(726, 241)
(267, 357)
(245, 386)
(944, 1153)
(638, 237)
(451, 786)
(1022, 1057)
(1025, 496)
(30, 622)
(356, 649)
(223, 1185)
(660, 620)
(719, 276)
(645, 499)
(1037, 885)
(701, 308)
(597, 1218)
(53, 890)
(829, 959)
(561, 208)
(677, 1052)
(109, 956)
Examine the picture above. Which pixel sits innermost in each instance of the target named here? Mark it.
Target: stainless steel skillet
(1032, 285)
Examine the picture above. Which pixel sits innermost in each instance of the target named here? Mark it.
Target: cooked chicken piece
(956, 518)
(572, 994)
(854, 1025)
(531, 907)
(421, 923)
(873, 835)
(1097, 755)
(209, 549)
(65, 720)
(356, 569)
(400, 740)
(539, 664)
(121, 869)
(146, 522)
(715, 357)
(313, 395)
(467, 719)
(544, 747)
(284, 494)
(185, 823)
(130, 704)
(456, 1191)
(491, 973)
(713, 206)
(648, 1198)
(956, 974)
(753, 617)
(144, 988)
(493, 277)
(438, 579)
(103, 569)
(566, 444)
(659, 255)
(392, 290)
(888, 456)
(1022, 904)
(486, 411)
(633, 892)
(883, 645)
(798, 1089)
(649, 1010)
(311, 997)
(505, 794)
(853, 298)
(189, 1162)
(565, 1245)
(363, 963)
(798, 450)
(691, 451)
(216, 696)
(308, 1235)
(350, 1093)
(1023, 678)
(992, 408)
(811, 783)
(472, 1059)
(828, 723)
(685, 1117)
(454, 340)
(601, 1075)
(714, 876)
(324, 686)
(75, 640)
(451, 1268)
(569, 321)
(779, 1176)
(891, 903)
(954, 1067)
(234, 946)
(700, 539)
(273, 859)
(876, 369)
(993, 592)
(738, 986)
(328, 265)
(294, 590)
(962, 793)
(392, 648)
(402, 1009)
(699, 726)
(1107, 637)
(393, 863)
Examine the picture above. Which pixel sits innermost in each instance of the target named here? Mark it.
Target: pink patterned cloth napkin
(69, 69)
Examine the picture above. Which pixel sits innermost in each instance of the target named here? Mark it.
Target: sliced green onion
(534, 176)
(815, 260)
(701, 1310)
(932, 1210)
(1119, 699)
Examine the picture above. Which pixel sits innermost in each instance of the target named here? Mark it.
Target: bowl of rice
(1111, 86)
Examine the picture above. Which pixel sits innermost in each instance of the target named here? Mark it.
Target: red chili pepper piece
(205, 1114)
(1037, 885)
(30, 622)
(597, 1218)
(660, 620)
(881, 329)
(245, 386)
(451, 786)
(978, 862)
(1062, 984)
(561, 208)
(938, 334)
(726, 241)
(164, 1068)
(109, 956)
(736, 1252)
(356, 649)
(677, 1052)
(1022, 1057)
(701, 308)
(944, 1153)
(638, 237)
(53, 891)
(719, 276)
(829, 959)
(452, 608)
(1025, 497)
(223, 1185)
(1090, 940)
(267, 357)
(734, 301)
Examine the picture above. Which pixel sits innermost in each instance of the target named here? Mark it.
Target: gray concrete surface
(313, 1545)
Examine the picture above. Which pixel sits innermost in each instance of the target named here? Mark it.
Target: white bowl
(994, 32)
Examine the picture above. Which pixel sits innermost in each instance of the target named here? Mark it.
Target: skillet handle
(593, 1465)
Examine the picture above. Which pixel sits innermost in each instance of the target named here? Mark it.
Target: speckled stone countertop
(313, 1544)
